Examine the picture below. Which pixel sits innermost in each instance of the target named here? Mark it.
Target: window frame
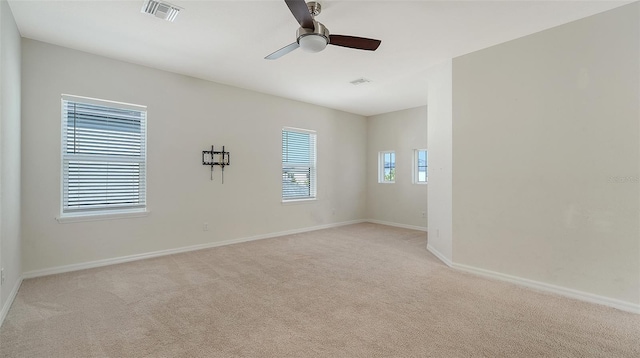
(416, 167)
(381, 167)
(313, 167)
(104, 213)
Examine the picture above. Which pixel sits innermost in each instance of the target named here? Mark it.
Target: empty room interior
(234, 179)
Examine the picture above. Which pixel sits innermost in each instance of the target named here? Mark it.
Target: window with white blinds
(103, 156)
(298, 164)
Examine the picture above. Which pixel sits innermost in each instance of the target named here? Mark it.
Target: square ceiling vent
(162, 10)
(360, 81)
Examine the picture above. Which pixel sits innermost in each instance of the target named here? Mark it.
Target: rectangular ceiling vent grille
(161, 10)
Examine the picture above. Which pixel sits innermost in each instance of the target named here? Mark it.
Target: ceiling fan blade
(301, 12)
(283, 51)
(359, 43)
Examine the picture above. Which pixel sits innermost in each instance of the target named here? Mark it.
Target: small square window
(387, 167)
(420, 166)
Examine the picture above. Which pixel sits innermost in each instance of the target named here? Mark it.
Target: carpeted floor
(362, 290)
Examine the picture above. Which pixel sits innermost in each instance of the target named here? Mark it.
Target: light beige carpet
(357, 291)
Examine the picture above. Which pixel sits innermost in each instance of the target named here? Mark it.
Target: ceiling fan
(313, 36)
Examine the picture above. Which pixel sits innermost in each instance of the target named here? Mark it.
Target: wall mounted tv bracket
(213, 158)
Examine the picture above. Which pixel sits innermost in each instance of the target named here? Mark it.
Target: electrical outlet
(2, 276)
(424, 214)
(205, 227)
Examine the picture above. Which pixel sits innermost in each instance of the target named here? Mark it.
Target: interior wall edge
(439, 255)
(10, 299)
(559, 290)
(148, 255)
(400, 225)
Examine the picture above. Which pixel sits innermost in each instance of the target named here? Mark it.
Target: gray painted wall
(10, 256)
(402, 202)
(185, 116)
(546, 156)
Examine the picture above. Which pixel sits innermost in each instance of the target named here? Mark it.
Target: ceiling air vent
(360, 81)
(160, 9)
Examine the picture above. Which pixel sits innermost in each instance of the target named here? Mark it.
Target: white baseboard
(567, 292)
(123, 259)
(439, 255)
(563, 291)
(404, 226)
(12, 297)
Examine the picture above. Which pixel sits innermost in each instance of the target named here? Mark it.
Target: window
(387, 167)
(298, 164)
(420, 166)
(103, 157)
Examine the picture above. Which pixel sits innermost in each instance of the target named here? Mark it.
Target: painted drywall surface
(402, 202)
(439, 104)
(2, 6)
(546, 156)
(9, 152)
(185, 116)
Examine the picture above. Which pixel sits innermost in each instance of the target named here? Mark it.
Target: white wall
(10, 257)
(185, 116)
(402, 202)
(440, 107)
(546, 149)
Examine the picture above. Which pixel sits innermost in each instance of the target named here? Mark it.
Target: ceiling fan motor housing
(313, 40)
(313, 36)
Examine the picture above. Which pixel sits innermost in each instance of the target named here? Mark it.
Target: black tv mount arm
(209, 158)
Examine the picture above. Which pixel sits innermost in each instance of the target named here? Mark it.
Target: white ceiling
(226, 41)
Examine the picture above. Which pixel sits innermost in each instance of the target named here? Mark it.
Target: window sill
(66, 219)
(298, 201)
(386, 182)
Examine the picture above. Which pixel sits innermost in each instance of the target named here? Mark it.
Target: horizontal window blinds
(104, 157)
(298, 164)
